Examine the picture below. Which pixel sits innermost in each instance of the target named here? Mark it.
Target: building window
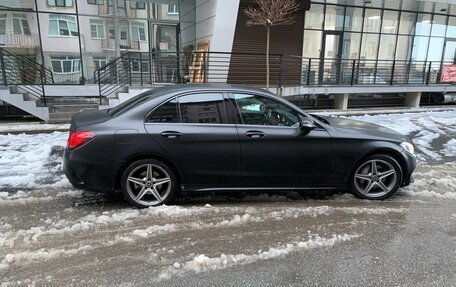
(138, 32)
(60, 25)
(123, 31)
(20, 25)
(60, 3)
(66, 65)
(99, 62)
(97, 29)
(173, 9)
(137, 5)
(2, 24)
(95, 2)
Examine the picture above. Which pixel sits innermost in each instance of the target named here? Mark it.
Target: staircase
(25, 102)
(123, 95)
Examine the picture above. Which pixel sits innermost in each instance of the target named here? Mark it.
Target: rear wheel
(148, 183)
(376, 177)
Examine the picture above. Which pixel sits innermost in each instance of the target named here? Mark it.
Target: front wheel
(147, 183)
(376, 177)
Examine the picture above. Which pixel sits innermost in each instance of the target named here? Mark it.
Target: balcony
(110, 44)
(12, 40)
(123, 11)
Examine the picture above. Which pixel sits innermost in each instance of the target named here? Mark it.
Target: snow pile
(27, 257)
(449, 148)
(371, 211)
(425, 129)
(154, 230)
(31, 161)
(238, 220)
(433, 181)
(32, 126)
(201, 262)
(95, 219)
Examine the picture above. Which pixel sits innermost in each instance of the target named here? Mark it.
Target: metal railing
(24, 73)
(113, 76)
(11, 39)
(143, 68)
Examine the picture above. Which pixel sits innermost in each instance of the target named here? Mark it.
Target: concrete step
(61, 108)
(71, 100)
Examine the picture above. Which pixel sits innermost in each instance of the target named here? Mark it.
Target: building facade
(332, 45)
(75, 37)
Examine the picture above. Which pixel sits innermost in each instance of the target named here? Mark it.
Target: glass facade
(385, 40)
(73, 38)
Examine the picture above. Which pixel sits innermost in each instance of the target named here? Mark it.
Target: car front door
(194, 131)
(275, 151)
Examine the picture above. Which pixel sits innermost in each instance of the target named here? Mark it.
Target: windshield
(133, 102)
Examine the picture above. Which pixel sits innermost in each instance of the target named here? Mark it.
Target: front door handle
(171, 134)
(254, 134)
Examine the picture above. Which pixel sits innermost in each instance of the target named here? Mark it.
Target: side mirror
(306, 124)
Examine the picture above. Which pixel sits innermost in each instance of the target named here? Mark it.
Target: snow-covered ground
(47, 240)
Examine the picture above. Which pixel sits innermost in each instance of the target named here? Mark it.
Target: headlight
(408, 147)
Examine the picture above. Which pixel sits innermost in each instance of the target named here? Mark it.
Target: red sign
(448, 73)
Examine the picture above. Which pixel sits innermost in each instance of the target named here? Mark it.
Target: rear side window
(203, 108)
(166, 113)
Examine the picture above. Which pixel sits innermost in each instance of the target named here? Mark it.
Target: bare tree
(271, 13)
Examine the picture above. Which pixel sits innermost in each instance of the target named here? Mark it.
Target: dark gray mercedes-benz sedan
(225, 137)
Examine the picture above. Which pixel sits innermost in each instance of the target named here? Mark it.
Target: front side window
(97, 30)
(20, 24)
(66, 65)
(60, 3)
(138, 32)
(263, 111)
(61, 25)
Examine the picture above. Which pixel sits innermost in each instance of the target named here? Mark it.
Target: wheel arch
(396, 155)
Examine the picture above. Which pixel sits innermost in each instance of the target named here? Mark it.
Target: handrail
(25, 73)
(144, 68)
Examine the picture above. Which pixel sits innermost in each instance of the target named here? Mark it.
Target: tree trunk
(268, 32)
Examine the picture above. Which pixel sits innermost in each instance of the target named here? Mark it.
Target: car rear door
(194, 131)
(275, 152)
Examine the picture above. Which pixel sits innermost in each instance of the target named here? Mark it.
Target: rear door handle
(171, 134)
(254, 134)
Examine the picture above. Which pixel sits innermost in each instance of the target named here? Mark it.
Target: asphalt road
(266, 240)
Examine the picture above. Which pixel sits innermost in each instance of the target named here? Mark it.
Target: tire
(380, 184)
(147, 183)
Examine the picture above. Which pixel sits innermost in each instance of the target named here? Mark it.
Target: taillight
(77, 139)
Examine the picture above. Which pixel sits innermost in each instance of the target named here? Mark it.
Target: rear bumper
(90, 173)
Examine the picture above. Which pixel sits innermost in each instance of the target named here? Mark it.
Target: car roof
(180, 88)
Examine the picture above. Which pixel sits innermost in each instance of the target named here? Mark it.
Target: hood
(363, 129)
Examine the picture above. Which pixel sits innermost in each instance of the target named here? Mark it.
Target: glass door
(164, 48)
(330, 57)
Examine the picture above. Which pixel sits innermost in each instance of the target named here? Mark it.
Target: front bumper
(89, 172)
(410, 165)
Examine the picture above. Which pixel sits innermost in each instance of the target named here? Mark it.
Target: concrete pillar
(341, 101)
(412, 100)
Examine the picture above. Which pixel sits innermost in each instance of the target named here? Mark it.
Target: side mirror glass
(306, 124)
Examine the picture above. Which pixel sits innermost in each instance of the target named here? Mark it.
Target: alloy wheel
(375, 178)
(148, 184)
